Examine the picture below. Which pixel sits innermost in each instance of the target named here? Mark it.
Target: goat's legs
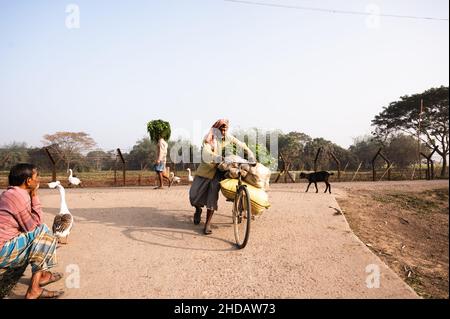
(317, 190)
(307, 188)
(329, 187)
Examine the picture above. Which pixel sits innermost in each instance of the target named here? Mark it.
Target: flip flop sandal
(47, 294)
(197, 216)
(54, 277)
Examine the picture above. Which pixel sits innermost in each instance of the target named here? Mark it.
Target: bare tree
(70, 145)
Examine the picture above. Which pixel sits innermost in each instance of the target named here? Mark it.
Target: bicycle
(242, 210)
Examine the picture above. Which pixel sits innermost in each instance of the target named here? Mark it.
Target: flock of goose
(63, 222)
(177, 179)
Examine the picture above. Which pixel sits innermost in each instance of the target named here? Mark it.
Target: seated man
(23, 237)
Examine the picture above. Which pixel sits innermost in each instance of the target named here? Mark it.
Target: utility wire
(266, 4)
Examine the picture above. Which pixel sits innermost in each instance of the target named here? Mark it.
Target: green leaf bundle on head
(159, 129)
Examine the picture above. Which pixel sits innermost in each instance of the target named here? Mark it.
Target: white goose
(175, 179)
(63, 222)
(190, 177)
(73, 180)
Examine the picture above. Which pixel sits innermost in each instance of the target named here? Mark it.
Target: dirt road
(142, 243)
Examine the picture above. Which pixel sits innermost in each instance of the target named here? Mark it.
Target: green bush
(159, 129)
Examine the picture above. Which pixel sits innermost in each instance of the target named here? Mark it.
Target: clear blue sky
(193, 61)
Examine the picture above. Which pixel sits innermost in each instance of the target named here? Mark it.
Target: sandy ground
(406, 225)
(142, 243)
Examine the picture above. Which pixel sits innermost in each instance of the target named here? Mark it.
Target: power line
(285, 6)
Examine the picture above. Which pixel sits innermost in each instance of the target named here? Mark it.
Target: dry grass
(408, 230)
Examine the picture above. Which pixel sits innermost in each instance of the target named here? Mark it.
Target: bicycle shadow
(153, 226)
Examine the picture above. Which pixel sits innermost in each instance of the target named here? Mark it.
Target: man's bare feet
(207, 230)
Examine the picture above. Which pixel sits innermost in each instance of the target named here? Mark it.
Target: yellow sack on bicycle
(258, 197)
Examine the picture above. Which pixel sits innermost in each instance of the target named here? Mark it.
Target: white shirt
(162, 150)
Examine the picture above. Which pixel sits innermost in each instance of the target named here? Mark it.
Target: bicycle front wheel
(241, 217)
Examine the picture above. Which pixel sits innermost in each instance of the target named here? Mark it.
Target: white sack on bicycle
(258, 176)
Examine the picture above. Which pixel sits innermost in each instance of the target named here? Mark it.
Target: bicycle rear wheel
(241, 217)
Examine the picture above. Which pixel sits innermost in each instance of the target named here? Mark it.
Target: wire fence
(147, 177)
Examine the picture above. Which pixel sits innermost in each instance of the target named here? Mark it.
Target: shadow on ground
(168, 228)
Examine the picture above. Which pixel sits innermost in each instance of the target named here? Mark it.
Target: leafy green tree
(347, 159)
(404, 116)
(100, 160)
(142, 155)
(292, 145)
(13, 154)
(402, 150)
(310, 152)
(364, 149)
(39, 157)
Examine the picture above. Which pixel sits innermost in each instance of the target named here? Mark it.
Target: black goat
(317, 177)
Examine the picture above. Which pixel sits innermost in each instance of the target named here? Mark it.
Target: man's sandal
(55, 276)
(197, 216)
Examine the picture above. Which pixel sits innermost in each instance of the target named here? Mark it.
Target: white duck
(190, 177)
(175, 179)
(63, 222)
(73, 180)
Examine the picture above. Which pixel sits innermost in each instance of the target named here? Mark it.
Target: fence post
(317, 157)
(388, 170)
(374, 173)
(389, 165)
(338, 165)
(414, 171)
(427, 173)
(115, 171)
(430, 163)
(53, 164)
(123, 164)
(345, 168)
(286, 166)
(359, 167)
(388, 162)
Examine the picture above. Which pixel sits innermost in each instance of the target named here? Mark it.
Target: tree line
(397, 130)
(296, 147)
